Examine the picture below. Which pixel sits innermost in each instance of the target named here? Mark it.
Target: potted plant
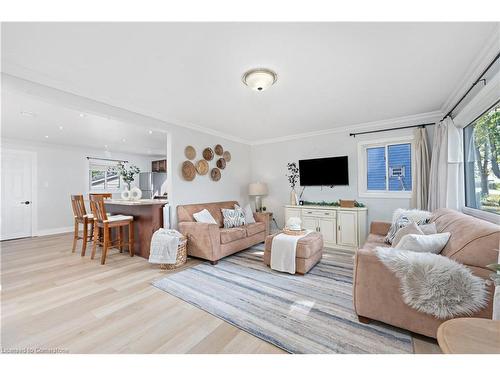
(127, 174)
(293, 178)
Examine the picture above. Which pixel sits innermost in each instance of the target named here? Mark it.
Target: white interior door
(16, 211)
(347, 228)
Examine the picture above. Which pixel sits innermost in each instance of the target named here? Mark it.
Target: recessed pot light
(61, 127)
(46, 136)
(150, 132)
(82, 114)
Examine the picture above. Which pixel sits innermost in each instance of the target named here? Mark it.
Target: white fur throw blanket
(435, 284)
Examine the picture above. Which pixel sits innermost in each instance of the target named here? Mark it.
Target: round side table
(469, 336)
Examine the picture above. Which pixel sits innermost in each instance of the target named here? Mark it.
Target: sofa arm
(203, 239)
(380, 227)
(265, 218)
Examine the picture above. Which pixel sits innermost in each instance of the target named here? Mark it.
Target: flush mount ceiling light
(259, 79)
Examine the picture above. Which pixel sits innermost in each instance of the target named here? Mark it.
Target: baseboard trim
(49, 232)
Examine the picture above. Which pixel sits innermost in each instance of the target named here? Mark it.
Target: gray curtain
(422, 164)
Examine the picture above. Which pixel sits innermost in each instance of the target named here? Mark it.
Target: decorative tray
(294, 232)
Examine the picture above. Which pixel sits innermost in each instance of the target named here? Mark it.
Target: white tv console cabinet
(343, 228)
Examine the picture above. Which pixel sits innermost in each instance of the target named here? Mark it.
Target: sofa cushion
(375, 240)
(232, 234)
(473, 241)
(254, 228)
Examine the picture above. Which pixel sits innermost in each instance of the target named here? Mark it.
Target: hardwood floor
(53, 299)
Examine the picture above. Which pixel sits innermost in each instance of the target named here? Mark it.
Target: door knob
(26, 202)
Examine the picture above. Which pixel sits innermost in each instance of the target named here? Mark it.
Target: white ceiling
(329, 74)
(30, 119)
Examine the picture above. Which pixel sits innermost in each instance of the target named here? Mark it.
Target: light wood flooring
(54, 299)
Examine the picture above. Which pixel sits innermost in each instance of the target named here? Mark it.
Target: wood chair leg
(75, 236)
(96, 240)
(85, 237)
(106, 243)
(131, 238)
(91, 231)
(120, 239)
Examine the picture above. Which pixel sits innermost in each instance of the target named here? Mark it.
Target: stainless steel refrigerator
(152, 184)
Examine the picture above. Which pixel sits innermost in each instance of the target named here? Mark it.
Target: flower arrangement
(127, 174)
(331, 204)
(293, 174)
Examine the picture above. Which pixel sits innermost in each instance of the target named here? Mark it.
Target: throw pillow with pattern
(233, 218)
(402, 218)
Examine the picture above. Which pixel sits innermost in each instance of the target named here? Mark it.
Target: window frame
(363, 191)
(473, 211)
(106, 189)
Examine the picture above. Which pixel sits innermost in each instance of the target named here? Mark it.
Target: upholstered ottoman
(308, 254)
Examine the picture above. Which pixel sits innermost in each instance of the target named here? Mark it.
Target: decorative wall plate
(202, 167)
(219, 150)
(221, 163)
(215, 174)
(227, 156)
(208, 154)
(188, 171)
(190, 152)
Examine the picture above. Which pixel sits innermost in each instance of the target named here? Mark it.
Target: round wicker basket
(181, 256)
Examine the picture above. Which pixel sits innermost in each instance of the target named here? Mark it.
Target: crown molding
(51, 94)
(415, 119)
(482, 59)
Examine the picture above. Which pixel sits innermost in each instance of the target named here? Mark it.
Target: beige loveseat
(377, 290)
(212, 241)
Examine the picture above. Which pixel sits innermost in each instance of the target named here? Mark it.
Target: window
(385, 168)
(103, 177)
(482, 162)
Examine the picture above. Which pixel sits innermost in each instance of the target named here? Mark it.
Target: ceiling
(30, 119)
(329, 74)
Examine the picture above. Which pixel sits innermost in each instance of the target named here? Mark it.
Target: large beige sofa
(377, 290)
(212, 241)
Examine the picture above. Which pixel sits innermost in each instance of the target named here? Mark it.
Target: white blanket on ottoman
(283, 252)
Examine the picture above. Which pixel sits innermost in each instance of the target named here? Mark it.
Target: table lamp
(257, 189)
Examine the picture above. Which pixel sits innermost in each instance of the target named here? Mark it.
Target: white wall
(235, 178)
(269, 163)
(62, 171)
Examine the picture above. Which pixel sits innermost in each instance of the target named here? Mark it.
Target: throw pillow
(428, 228)
(403, 217)
(233, 218)
(411, 228)
(421, 243)
(247, 211)
(204, 217)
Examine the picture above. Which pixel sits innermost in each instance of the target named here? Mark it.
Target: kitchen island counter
(148, 218)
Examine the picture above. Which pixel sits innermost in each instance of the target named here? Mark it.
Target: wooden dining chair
(81, 217)
(106, 223)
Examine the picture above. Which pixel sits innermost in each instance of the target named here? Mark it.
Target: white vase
(135, 194)
(125, 195)
(293, 198)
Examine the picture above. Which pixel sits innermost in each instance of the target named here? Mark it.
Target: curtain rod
(479, 79)
(121, 161)
(389, 129)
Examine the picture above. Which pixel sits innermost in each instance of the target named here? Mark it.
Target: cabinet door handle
(339, 228)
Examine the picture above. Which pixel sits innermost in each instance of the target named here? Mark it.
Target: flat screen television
(325, 171)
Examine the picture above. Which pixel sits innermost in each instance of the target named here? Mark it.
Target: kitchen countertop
(140, 202)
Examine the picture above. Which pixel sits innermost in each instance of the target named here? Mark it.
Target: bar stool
(81, 217)
(106, 223)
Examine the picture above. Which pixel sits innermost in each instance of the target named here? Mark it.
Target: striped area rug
(300, 314)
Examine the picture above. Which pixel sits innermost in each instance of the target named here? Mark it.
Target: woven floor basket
(181, 256)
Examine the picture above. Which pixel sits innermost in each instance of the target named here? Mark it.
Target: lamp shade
(257, 188)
